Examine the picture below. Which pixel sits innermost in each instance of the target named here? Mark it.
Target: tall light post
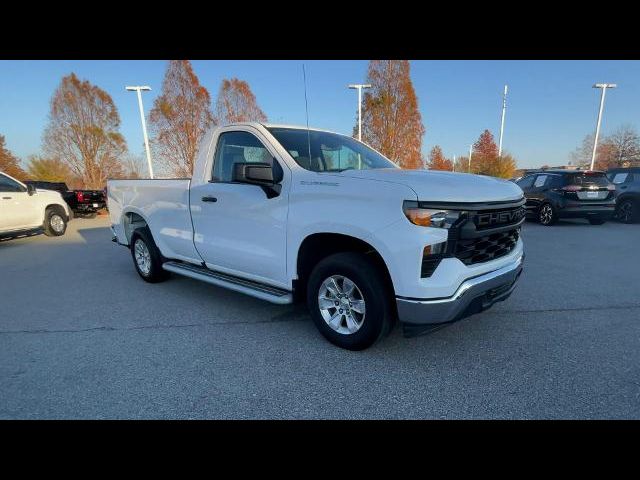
(144, 124)
(359, 87)
(604, 87)
(504, 109)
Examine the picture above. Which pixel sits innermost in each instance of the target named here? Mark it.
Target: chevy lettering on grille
(506, 217)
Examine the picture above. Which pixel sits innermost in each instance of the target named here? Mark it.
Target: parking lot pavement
(81, 336)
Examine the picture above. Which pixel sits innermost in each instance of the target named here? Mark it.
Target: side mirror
(31, 189)
(255, 173)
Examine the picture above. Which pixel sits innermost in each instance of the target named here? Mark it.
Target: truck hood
(438, 186)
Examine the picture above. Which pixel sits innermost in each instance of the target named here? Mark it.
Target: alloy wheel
(57, 223)
(341, 304)
(143, 257)
(546, 214)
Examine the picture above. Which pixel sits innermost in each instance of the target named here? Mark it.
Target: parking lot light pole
(359, 87)
(504, 110)
(144, 124)
(604, 87)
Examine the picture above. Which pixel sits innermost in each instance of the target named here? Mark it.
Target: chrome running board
(248, 287)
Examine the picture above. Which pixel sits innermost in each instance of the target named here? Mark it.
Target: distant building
(564, 167)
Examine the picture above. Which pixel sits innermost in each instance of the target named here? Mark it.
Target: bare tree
(135, 167)
(180, 117)
(623, 145)
(626, 144)
(391, 121)
(83, 131)
(237, 103)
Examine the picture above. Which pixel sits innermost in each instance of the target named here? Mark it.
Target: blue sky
(551, 104)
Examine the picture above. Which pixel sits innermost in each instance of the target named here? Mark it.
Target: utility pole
(604, 87)
(144, 124)
(504, 109)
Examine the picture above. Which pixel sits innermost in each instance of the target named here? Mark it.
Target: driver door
(238, 228)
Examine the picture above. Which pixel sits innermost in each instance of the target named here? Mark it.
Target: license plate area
(593, 195)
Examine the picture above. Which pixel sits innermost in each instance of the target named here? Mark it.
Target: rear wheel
(146, 257)
(55, 221)
(348, 301)
(627, 211)
(546, 214)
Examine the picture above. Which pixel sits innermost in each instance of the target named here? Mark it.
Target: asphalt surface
(82, 336)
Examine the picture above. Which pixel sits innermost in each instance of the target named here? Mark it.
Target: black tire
(55, 221)
(371, 287)
(628, 211)
(596, 221)
(155, 272)
(547, 214)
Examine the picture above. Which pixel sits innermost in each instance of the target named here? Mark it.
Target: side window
(340, 157)
(555, 181)
(623, 177)
(526, 182)
(9, 185)
(540, 181)
(237, 147)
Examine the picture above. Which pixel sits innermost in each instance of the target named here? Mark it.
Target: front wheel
(55, 221)
(546, 215)
(349, 301)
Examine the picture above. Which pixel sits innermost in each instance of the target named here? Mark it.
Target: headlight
(429, 217)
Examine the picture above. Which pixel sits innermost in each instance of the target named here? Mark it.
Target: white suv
(25, 210)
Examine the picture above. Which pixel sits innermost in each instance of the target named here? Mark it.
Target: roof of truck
(279, 125)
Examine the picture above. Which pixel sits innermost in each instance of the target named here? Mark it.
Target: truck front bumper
(472, 296)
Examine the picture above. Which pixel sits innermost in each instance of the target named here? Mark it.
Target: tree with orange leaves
(237, 103)
(391, 121)
(49, 169)
(9, 163)
(180, 117)
(437, 160)
(485, 160)
(83, 132)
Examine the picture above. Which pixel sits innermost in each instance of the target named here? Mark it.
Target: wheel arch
(633, 196)
(133, 219)
(318, 246)
(57, 206)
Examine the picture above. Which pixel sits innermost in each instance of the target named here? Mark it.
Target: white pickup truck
(26, 210)
(284, 213)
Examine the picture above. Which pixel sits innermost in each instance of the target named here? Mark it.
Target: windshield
(330, 152)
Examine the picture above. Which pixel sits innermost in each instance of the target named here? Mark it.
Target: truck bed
(164, 204)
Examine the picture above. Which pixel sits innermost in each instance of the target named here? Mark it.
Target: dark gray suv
(627, 183)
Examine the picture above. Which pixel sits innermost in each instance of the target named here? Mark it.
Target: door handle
(623, 188)
(209, 198)
(7, 198)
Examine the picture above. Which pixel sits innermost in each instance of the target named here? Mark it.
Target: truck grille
(482, 249)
